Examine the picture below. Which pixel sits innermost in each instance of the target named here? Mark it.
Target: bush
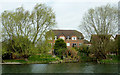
(17, 46)
(71, 52)
(84, 49)
(59, 47)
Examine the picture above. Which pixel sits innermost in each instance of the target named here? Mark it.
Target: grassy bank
(111, 59)
(35, 59)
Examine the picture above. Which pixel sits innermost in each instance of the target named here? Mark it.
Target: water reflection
(39, 68)
(61, 68)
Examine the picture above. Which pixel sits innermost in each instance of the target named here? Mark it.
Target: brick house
(72, 38)
(86, 42)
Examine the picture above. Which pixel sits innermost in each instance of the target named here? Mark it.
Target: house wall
(77, 41)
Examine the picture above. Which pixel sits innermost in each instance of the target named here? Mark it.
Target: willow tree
(101, 21)
(30, 25)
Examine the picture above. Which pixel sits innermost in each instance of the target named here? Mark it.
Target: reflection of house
(72, 38)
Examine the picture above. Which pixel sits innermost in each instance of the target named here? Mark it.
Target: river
(61, 68)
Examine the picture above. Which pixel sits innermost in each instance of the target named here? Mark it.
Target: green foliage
(59, 47)
(83, 53)
(12, 60)
(83, 49)
(111, 59)
(25, 29)
(35, 59)
(71, 52)
(108, 61)
(18, 46)
(43, 47)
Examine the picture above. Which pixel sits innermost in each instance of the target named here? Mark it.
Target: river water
(61, 68)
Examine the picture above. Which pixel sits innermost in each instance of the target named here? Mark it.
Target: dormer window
(68, 37)
(55, 37)
(74, 38)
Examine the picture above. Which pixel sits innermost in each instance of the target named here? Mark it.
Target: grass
(35, 59)
(112, 59)
(109, 61)
(15, 60)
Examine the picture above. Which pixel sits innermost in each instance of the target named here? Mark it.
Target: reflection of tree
(16, 68)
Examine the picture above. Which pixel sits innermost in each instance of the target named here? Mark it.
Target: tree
(59, 47)
(17, 48)
(43, 19)
(101, 21)
(32, 26)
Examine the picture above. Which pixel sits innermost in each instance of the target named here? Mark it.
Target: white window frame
(68, 44)
(74, 38)
(55, 37)
(62, 38)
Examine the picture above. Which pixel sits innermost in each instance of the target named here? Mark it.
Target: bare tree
(43, 19)
(101, 21)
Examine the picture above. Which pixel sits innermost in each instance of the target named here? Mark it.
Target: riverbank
(56, 62)
(11, 63)
(38, 62)
(47, 59)
(109, 61)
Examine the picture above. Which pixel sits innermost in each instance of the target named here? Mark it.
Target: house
(73, 38)
(86, 42)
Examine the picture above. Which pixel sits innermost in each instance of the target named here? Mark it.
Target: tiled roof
(86, 42)
(67, 33)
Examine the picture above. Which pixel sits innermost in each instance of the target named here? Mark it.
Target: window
(80, 44)
(74, 38)
(55, 37)
(50, 38)
(74, 45)
(68, 44)
(62, 38)
(68, 37)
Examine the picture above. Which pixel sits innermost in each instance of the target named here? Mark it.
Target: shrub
(17, 46)
(84, 49)
(59, 47)
(71, 52)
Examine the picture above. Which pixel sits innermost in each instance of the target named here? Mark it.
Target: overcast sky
(68, 12)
